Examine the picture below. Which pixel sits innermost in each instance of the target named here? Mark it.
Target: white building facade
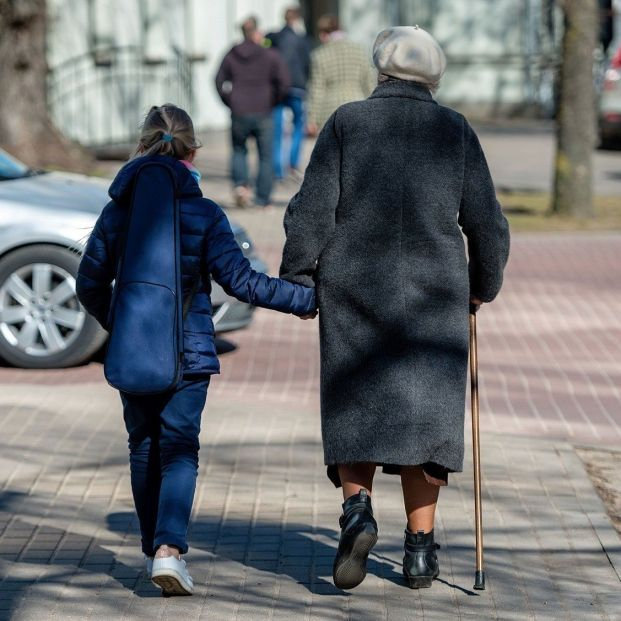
(110, 60)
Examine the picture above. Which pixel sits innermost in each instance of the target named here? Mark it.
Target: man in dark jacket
(295, 50)
(251, 81)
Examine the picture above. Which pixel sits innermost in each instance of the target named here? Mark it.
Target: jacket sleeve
(316, 88)
(224, 75)
(224, 260)
(310, 217)
(483, 223)
(280, 78)
(95, 275)
(305, 57)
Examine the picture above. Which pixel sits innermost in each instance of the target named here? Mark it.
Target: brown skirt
(434, 473)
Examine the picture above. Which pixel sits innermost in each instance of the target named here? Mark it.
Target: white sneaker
(149, 563)
(171, 575)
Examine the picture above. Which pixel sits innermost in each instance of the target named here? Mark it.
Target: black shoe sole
(419, 582)
(351, 569)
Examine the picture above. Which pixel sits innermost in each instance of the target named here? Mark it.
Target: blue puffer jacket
(208, 248)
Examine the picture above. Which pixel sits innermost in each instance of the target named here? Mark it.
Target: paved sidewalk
(264, 531)
(265, 526)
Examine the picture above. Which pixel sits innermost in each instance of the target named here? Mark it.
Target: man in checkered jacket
(340, 72)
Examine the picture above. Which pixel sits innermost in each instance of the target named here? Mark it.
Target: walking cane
(479, 579)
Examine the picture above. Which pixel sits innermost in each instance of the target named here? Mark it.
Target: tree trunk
(575, 131)
(26, 129)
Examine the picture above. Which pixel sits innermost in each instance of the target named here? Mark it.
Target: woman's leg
(358, 526)
(355, 477)
(420, 498)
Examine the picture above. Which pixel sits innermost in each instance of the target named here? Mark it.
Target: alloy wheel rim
(39, 310)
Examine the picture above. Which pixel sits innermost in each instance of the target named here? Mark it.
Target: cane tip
(479, 580)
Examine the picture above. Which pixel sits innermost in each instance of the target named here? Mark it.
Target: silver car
(45, 220)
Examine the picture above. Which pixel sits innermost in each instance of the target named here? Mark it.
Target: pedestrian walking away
(128, 241)
(294, 46)
(340, 72)
(376, 226)
(251, 81)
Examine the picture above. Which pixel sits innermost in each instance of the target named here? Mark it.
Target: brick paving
(264, 529)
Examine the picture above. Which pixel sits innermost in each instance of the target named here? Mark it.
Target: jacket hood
(121, 189)
(247, 50)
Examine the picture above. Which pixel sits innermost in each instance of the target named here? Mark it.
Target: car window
(10, 168)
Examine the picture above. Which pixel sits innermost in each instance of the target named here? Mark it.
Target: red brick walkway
(549, 346)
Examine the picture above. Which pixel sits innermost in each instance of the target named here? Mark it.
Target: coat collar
(402, 88)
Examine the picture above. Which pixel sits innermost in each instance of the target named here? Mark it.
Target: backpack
(145, 348)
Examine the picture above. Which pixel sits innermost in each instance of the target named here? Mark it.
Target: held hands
(309, 316)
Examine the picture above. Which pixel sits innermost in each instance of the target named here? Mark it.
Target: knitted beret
(409, 53)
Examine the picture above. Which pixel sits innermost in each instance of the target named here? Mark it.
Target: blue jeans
(163, 456)
(259, 128)
(296, 105)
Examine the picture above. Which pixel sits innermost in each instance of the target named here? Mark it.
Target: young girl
(163, 428)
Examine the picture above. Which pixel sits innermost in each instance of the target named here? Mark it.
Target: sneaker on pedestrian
(171, 575)
(242, 196)
(296, 175)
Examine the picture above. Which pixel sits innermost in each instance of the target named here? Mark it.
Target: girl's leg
(179, 429)
(355, 477)
(144, 460)
(420, 498)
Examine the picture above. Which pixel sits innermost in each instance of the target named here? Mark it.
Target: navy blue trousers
(281, 161)
(163, 456)
(260, 128)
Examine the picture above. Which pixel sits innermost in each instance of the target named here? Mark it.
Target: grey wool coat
(377, 227)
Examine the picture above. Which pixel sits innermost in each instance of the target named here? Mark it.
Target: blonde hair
(167, 130)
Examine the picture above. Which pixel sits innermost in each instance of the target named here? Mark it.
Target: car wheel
(42, 324)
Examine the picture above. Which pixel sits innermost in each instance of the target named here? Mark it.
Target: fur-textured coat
(377, 225)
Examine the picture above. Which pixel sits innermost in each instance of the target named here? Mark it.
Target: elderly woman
(377, 225)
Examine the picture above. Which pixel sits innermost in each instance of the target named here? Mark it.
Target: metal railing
(99, 98)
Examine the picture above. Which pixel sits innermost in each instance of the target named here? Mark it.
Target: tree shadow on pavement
(37, 560)
(295, 550)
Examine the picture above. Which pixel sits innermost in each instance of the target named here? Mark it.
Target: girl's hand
(309, 316)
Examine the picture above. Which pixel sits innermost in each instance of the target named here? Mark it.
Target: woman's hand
(475, 303)
(309, 316)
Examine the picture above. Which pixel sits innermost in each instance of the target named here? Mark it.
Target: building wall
(99, 97)
(500, 54)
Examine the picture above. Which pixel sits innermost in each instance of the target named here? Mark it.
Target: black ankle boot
(420, 563)
(358, 536)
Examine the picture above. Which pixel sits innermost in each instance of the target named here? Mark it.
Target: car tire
(39, 329)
